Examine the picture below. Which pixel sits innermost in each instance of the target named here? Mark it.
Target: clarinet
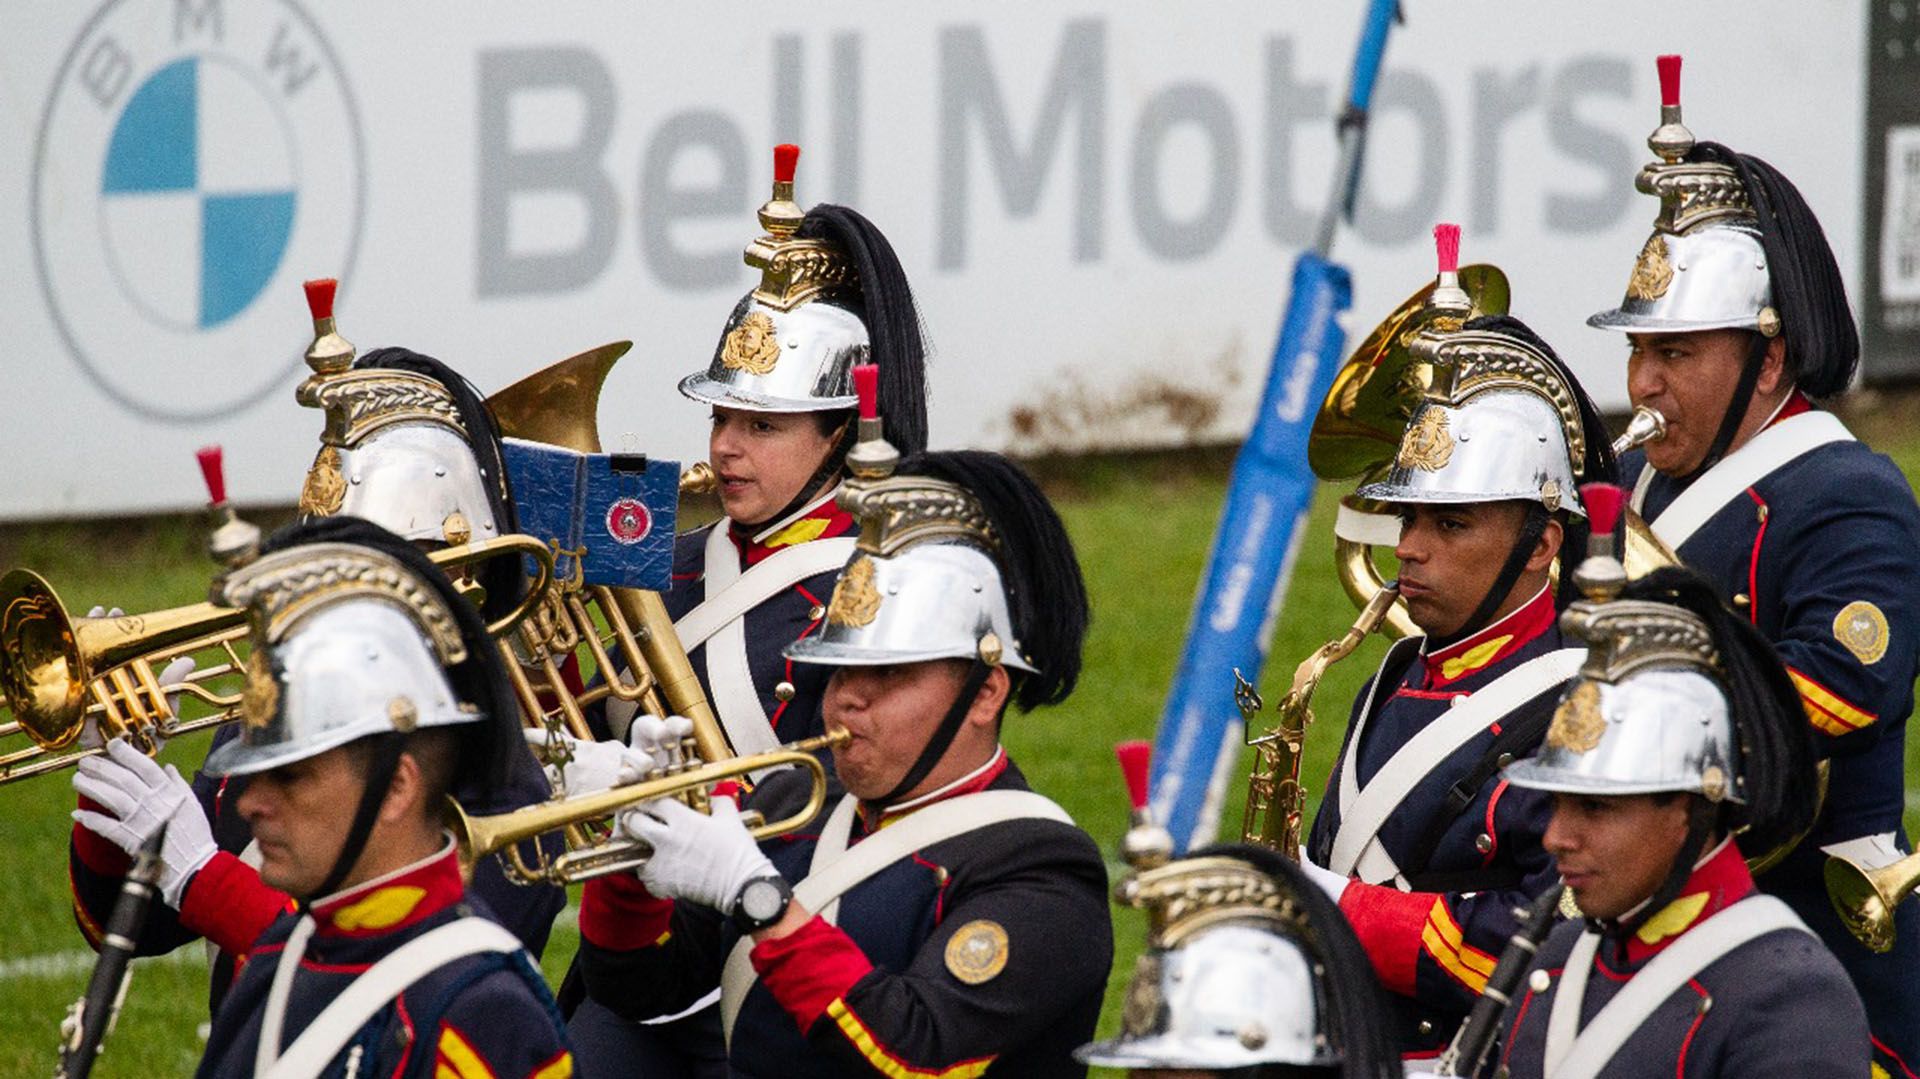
(90, 1019)
(1467, 1053)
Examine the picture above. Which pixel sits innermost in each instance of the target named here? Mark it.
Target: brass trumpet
(501, 833)
(57, 671)
(1866, 899)
(639, 656)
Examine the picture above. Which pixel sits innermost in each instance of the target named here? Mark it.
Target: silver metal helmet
(1703, 268)
(395, 452)
(346, 642)
(1647, 713)
(1225, 982)
(788, 347)
(1499, 422)
(922, 583)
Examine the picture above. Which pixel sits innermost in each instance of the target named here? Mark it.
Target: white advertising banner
(1097, 203)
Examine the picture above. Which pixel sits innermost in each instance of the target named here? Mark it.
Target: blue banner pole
(1268, 496)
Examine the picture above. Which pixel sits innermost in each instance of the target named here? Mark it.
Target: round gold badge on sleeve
(977, 951)
(1862, 628)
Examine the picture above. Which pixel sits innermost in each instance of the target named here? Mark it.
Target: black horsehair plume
(480, 680)
(502, 578)
(1776, 745)
(1355, 1004)
(893, 321)
(1045, 593)
(1823, 344)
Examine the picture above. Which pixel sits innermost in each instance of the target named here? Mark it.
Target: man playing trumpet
(941, 918)
(1736, 320)
(376, 694)
(1426, 850)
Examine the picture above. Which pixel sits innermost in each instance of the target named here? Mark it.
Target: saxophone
(1275, 799)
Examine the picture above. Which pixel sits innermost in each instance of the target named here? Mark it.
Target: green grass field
(1143, 527)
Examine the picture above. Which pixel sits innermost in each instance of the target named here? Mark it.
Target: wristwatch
(762, 901)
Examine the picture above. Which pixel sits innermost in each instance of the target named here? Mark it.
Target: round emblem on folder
(628, 521)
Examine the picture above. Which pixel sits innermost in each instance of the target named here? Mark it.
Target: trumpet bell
(41, 670)
(559, 404)
(1866, 899)
(1360, 424)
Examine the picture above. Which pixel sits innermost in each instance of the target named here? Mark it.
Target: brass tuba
(638, 655)
(57, 671)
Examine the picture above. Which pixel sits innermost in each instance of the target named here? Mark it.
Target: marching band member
(410, 446)
(373, 692)
(1737, 320)
(1249, 971)
(941, 918)
(832, 294)
(1438, 848)
(1680, 748)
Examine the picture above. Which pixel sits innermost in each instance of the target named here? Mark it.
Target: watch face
(761, 900)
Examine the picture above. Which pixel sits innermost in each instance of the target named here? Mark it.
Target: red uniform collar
(822, 519)
(1463, 657)
(1716, 884)
(393, 901)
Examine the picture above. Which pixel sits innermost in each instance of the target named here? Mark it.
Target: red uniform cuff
(227, 903)
(810, 968)
(1389, 923)
(619, 914)
(97, 854)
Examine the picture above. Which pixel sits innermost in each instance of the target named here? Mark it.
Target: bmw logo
(195, 161)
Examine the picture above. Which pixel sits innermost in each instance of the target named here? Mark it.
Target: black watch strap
(762, 902)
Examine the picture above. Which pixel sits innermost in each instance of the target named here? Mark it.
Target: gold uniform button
(814, 613)
(1483, 843)
(783, 692)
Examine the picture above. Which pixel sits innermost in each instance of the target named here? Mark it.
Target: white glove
(659, 739)
(700, 857)
(589, 766)
(1330, 882)
(141, 796)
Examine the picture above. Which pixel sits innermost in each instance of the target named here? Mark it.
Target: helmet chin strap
(943, 735)
(386, 759)
(1531, 529)
(1736, 411)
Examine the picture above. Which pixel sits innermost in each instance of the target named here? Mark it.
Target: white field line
(80, 960)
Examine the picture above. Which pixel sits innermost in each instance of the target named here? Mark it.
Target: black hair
(1356, 1006)
(1823, 343)
(885, 303)
(1776, 764)
(503, 578)
(1046, 594)
(487, 748)
(1597, 464)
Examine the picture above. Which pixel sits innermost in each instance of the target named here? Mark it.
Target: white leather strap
(925, 827)
(741, 592)
(736, 699)
(1785, 441)
(1350, 760)
(1359, 828)
(834, 840)
(1582, 1055)
(323, 1039)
